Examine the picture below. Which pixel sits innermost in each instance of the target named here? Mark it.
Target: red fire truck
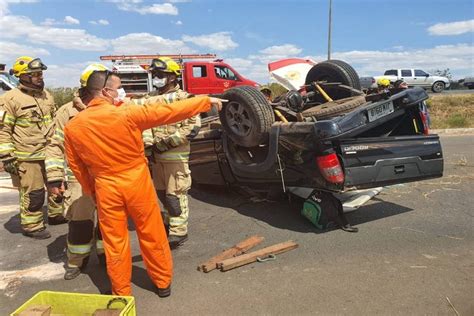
(198, 77)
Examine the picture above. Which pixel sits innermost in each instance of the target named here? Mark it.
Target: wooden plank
(236, 250)
(252, 256)
(36, 310)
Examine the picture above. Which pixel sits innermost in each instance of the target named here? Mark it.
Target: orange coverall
(105, 151)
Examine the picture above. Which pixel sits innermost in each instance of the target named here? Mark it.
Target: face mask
(121, 95)
(159, 83)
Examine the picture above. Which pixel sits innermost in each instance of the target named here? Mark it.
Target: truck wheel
(334, 108)
(334, 71)
(247, 117)
(438, 86)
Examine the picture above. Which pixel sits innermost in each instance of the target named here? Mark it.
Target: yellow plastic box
(77, 304)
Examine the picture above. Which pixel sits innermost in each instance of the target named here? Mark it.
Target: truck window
(406, 73)
(420, 73)
(391, 72)
(225, 73)
(199, 71)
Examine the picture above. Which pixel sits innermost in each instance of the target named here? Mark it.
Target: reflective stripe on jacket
(26, 123)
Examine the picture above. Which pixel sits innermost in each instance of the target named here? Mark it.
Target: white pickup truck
(416, 78)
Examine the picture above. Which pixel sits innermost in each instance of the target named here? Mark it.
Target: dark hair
(99, 80)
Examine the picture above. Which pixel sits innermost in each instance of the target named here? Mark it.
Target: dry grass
(451, 111)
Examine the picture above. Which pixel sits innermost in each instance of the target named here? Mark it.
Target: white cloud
(179, 23)
(135, 6)
(458, 58)
(4, 5)
(282, 50)
(100, 22)
(65, 38)
(453, 28)
(146, 43)
(216, 41)
(65, 75)
(11, 51)
(70, 20)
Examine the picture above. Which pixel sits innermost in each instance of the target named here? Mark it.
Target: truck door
(225, 79)
(422, 78)
(197, 79)
(407, 76)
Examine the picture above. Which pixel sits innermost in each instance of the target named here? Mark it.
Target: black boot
(42, 233)
(164, 292)
(176, 241)
(349, 228)
(71, 272)
(57, 220)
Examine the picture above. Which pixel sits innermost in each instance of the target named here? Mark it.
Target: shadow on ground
(285, 213)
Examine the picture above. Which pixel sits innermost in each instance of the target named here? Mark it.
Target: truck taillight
(330, 168)
(426, 125)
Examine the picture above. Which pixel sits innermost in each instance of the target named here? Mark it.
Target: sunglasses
(36, 74)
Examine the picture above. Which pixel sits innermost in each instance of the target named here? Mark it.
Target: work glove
(56, 190)
(160, 146)
(10, 165)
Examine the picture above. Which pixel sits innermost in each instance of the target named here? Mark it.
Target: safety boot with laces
(42, 233)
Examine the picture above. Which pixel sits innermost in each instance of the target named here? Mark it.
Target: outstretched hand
(217, 102)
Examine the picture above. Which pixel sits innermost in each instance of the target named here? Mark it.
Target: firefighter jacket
(26, 121)
(56, 166)
(172, 141)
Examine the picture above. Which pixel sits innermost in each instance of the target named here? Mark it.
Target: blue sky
(371, 35)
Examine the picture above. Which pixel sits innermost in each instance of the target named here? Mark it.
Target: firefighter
(29, 111)
(79, 208)
(105, 151)
(170, 166)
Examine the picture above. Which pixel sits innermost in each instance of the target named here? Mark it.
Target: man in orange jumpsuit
(105, 151)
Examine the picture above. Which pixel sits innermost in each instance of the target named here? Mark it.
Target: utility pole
(329, 31)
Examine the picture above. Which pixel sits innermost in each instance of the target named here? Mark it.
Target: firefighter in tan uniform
(79, 208)
(170, 167)
(26, 122)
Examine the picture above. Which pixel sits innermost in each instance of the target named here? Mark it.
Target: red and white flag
(291, 72)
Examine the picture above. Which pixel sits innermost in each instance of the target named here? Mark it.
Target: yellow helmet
(27, 64)
(165, 64)
(383, 82)
(89, 70)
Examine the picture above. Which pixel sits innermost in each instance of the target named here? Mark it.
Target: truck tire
(438, 86)
(247, 117)
(335, 71)
(334, 108)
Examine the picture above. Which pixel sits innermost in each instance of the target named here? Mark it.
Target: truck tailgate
(372, 162)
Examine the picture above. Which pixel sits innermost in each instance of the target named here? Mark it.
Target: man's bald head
(100, 81)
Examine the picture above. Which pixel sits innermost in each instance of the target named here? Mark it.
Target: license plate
(380, 110)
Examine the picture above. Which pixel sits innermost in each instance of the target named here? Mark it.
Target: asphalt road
(414, 251)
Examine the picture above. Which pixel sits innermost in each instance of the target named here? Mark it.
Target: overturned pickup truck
(303, 140)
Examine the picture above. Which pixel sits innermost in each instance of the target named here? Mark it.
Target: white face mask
(121, 95)
(160, 83)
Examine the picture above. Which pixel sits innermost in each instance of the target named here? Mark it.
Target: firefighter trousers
(80, 211)
(32, 176)
(172, 182)
(131, 193)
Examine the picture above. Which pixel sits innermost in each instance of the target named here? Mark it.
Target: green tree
(62, 95)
